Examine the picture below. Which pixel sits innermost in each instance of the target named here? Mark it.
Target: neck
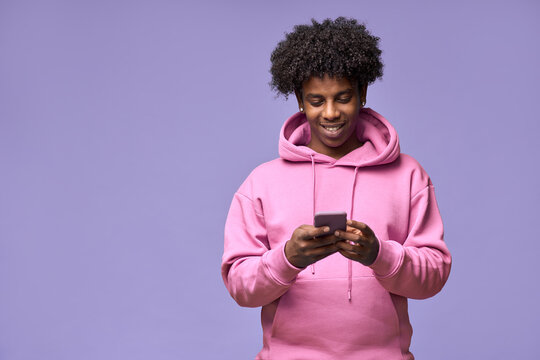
(338, 152)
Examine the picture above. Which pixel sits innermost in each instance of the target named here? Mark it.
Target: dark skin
(330, 103)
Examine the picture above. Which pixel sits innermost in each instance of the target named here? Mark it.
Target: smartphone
(336, 220)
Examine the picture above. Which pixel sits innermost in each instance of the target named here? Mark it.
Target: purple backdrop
(126, 127)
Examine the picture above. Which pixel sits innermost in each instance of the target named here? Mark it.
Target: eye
(344, 100)
(316, 101)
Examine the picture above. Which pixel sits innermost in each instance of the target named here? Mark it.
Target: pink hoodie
(337, 308)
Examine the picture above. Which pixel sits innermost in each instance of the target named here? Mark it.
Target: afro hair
(339, 48)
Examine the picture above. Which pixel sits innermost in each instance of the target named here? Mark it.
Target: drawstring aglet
(349, 294)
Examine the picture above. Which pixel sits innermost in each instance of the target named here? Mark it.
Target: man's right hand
(304, 249)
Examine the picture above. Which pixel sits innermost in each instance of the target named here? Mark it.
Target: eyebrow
(347, 91)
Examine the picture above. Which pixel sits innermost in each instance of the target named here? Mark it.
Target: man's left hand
(358, 243)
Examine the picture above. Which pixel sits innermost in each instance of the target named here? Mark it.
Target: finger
(322, 251)
(346, 235)
(324, 240)
(353, 239)
(351, 247)
(352, 256)
(366, 230)
(353, 230)
(311, 232)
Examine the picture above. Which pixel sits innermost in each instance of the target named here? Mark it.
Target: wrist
(291, 256)
(373, 253)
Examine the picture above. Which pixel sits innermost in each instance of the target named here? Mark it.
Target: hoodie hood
(381, 142)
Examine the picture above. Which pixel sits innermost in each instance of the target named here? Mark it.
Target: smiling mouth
(333, 127)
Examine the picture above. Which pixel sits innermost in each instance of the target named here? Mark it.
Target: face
(331, 106)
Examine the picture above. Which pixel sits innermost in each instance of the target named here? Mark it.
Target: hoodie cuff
(279, 267)
(389, 259)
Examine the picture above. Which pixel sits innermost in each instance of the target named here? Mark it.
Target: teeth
(333, 128)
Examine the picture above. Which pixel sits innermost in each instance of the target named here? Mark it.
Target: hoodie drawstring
(349, 265)
(313, 198)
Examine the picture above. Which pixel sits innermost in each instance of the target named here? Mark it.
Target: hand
(358, 242)
(303, 249)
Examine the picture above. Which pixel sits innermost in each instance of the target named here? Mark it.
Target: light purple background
(126, 127)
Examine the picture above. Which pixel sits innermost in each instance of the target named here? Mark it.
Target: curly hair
(339, 48)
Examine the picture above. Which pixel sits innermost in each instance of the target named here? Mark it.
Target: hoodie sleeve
(254, 274)
(419, 268)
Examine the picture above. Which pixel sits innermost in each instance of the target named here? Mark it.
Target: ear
(298, 94)
(362, 89)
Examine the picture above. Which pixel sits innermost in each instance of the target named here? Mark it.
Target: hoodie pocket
(316, 319)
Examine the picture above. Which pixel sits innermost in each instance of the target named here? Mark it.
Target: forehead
(326, 85)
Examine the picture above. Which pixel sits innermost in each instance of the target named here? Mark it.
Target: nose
(331, 112)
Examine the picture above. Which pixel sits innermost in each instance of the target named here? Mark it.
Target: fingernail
(336, 233)
(326, 229)
(349, 222)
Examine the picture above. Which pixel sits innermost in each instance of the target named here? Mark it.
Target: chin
(334, 144)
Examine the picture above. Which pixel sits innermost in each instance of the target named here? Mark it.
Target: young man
(340, 295)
